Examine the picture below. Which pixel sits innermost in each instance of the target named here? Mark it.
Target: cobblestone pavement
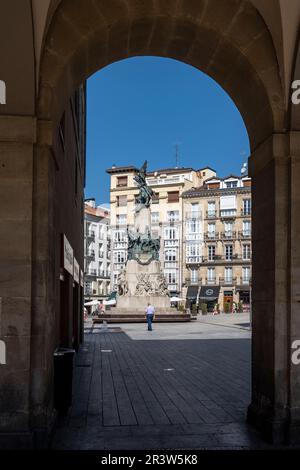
(181, 386)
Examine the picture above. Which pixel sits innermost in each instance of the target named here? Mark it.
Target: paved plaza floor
(181, 386)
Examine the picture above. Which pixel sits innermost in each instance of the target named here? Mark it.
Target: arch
(229, 41)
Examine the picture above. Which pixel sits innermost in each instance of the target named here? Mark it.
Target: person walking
(150, 311)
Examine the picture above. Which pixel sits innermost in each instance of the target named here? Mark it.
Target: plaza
(179, 386)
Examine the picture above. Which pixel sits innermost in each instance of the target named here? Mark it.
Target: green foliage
(227, 307)
(240, 307)
(204, 309)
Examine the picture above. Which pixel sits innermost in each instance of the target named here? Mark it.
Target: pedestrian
(150, 311)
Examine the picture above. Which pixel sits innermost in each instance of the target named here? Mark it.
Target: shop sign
(68, 256)
(76, 271)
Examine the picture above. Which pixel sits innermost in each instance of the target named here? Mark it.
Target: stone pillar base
(273, 430)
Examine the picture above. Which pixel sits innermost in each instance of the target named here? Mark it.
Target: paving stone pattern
(158, 394)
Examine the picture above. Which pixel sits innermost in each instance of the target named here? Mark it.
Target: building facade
(166, 215)
(96, 250)
(217, 243)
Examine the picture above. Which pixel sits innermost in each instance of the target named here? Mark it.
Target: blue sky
(139, 108)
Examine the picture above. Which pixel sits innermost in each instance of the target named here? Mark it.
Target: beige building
(166, 215)
(217, 243)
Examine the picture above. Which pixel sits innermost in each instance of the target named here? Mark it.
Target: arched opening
(229, 42)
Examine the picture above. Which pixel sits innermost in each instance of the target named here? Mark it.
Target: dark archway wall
(230, 41)
(227, 40)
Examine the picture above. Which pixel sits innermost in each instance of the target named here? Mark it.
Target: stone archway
(228, 40)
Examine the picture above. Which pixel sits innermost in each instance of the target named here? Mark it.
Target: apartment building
(168, 185)
(96, 250)
(217, 242)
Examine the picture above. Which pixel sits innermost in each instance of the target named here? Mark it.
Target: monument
(142, 279)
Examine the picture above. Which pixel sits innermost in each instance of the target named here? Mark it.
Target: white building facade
(97, 251)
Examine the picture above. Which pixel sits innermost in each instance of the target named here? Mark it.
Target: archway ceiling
(228, 40)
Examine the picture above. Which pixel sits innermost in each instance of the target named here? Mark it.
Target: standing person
(150, 310)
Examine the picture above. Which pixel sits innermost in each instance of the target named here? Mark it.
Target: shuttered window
(173, 196)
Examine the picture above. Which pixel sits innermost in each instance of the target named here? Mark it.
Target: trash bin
(63, 377)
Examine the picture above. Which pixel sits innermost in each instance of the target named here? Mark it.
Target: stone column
(273, 229)
(294, 286)
(17, 138)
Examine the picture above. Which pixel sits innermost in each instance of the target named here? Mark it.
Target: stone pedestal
(143, 284)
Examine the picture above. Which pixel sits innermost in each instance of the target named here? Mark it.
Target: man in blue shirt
(150, 310)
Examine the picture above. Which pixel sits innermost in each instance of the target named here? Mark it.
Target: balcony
(170, 264)
(211, 236)
(227, 213)
(193, 282)
(193, 259)
(103, 274)
(227, 281)
(171, 243)
(245, 234)
(211, 214)
(245, 281)
(228, 235)
(211, 281)
(193, 215)
(91, 272)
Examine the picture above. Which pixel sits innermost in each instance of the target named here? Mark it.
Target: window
(154, 217)
(247, 228)
(171, 234)
(173, 216)
(211, 253)
(119, 257)
(194, 207)
(155, 198)
(211, 274)
(120, 236)
(228, 228)
(228, 252)
(247, 207)
(170, 255)
(194, 275)
(121, 219)
(193, 226)
(246, 252)
(246, 274)
(171, 277)
(228, 206)
(231, 184)
(122, 181)
(121, 201)
(211, 209)
(228, 275)
(173, 196)
(211, 230)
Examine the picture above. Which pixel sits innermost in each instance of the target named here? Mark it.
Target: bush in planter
(227, 307)
(204, 309)
(194, 309)
(240, 307)
(181, 308)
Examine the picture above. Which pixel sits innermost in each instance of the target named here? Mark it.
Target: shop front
(209, 295)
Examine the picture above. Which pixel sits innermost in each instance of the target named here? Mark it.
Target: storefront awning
(209, 293)
(192, 292)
